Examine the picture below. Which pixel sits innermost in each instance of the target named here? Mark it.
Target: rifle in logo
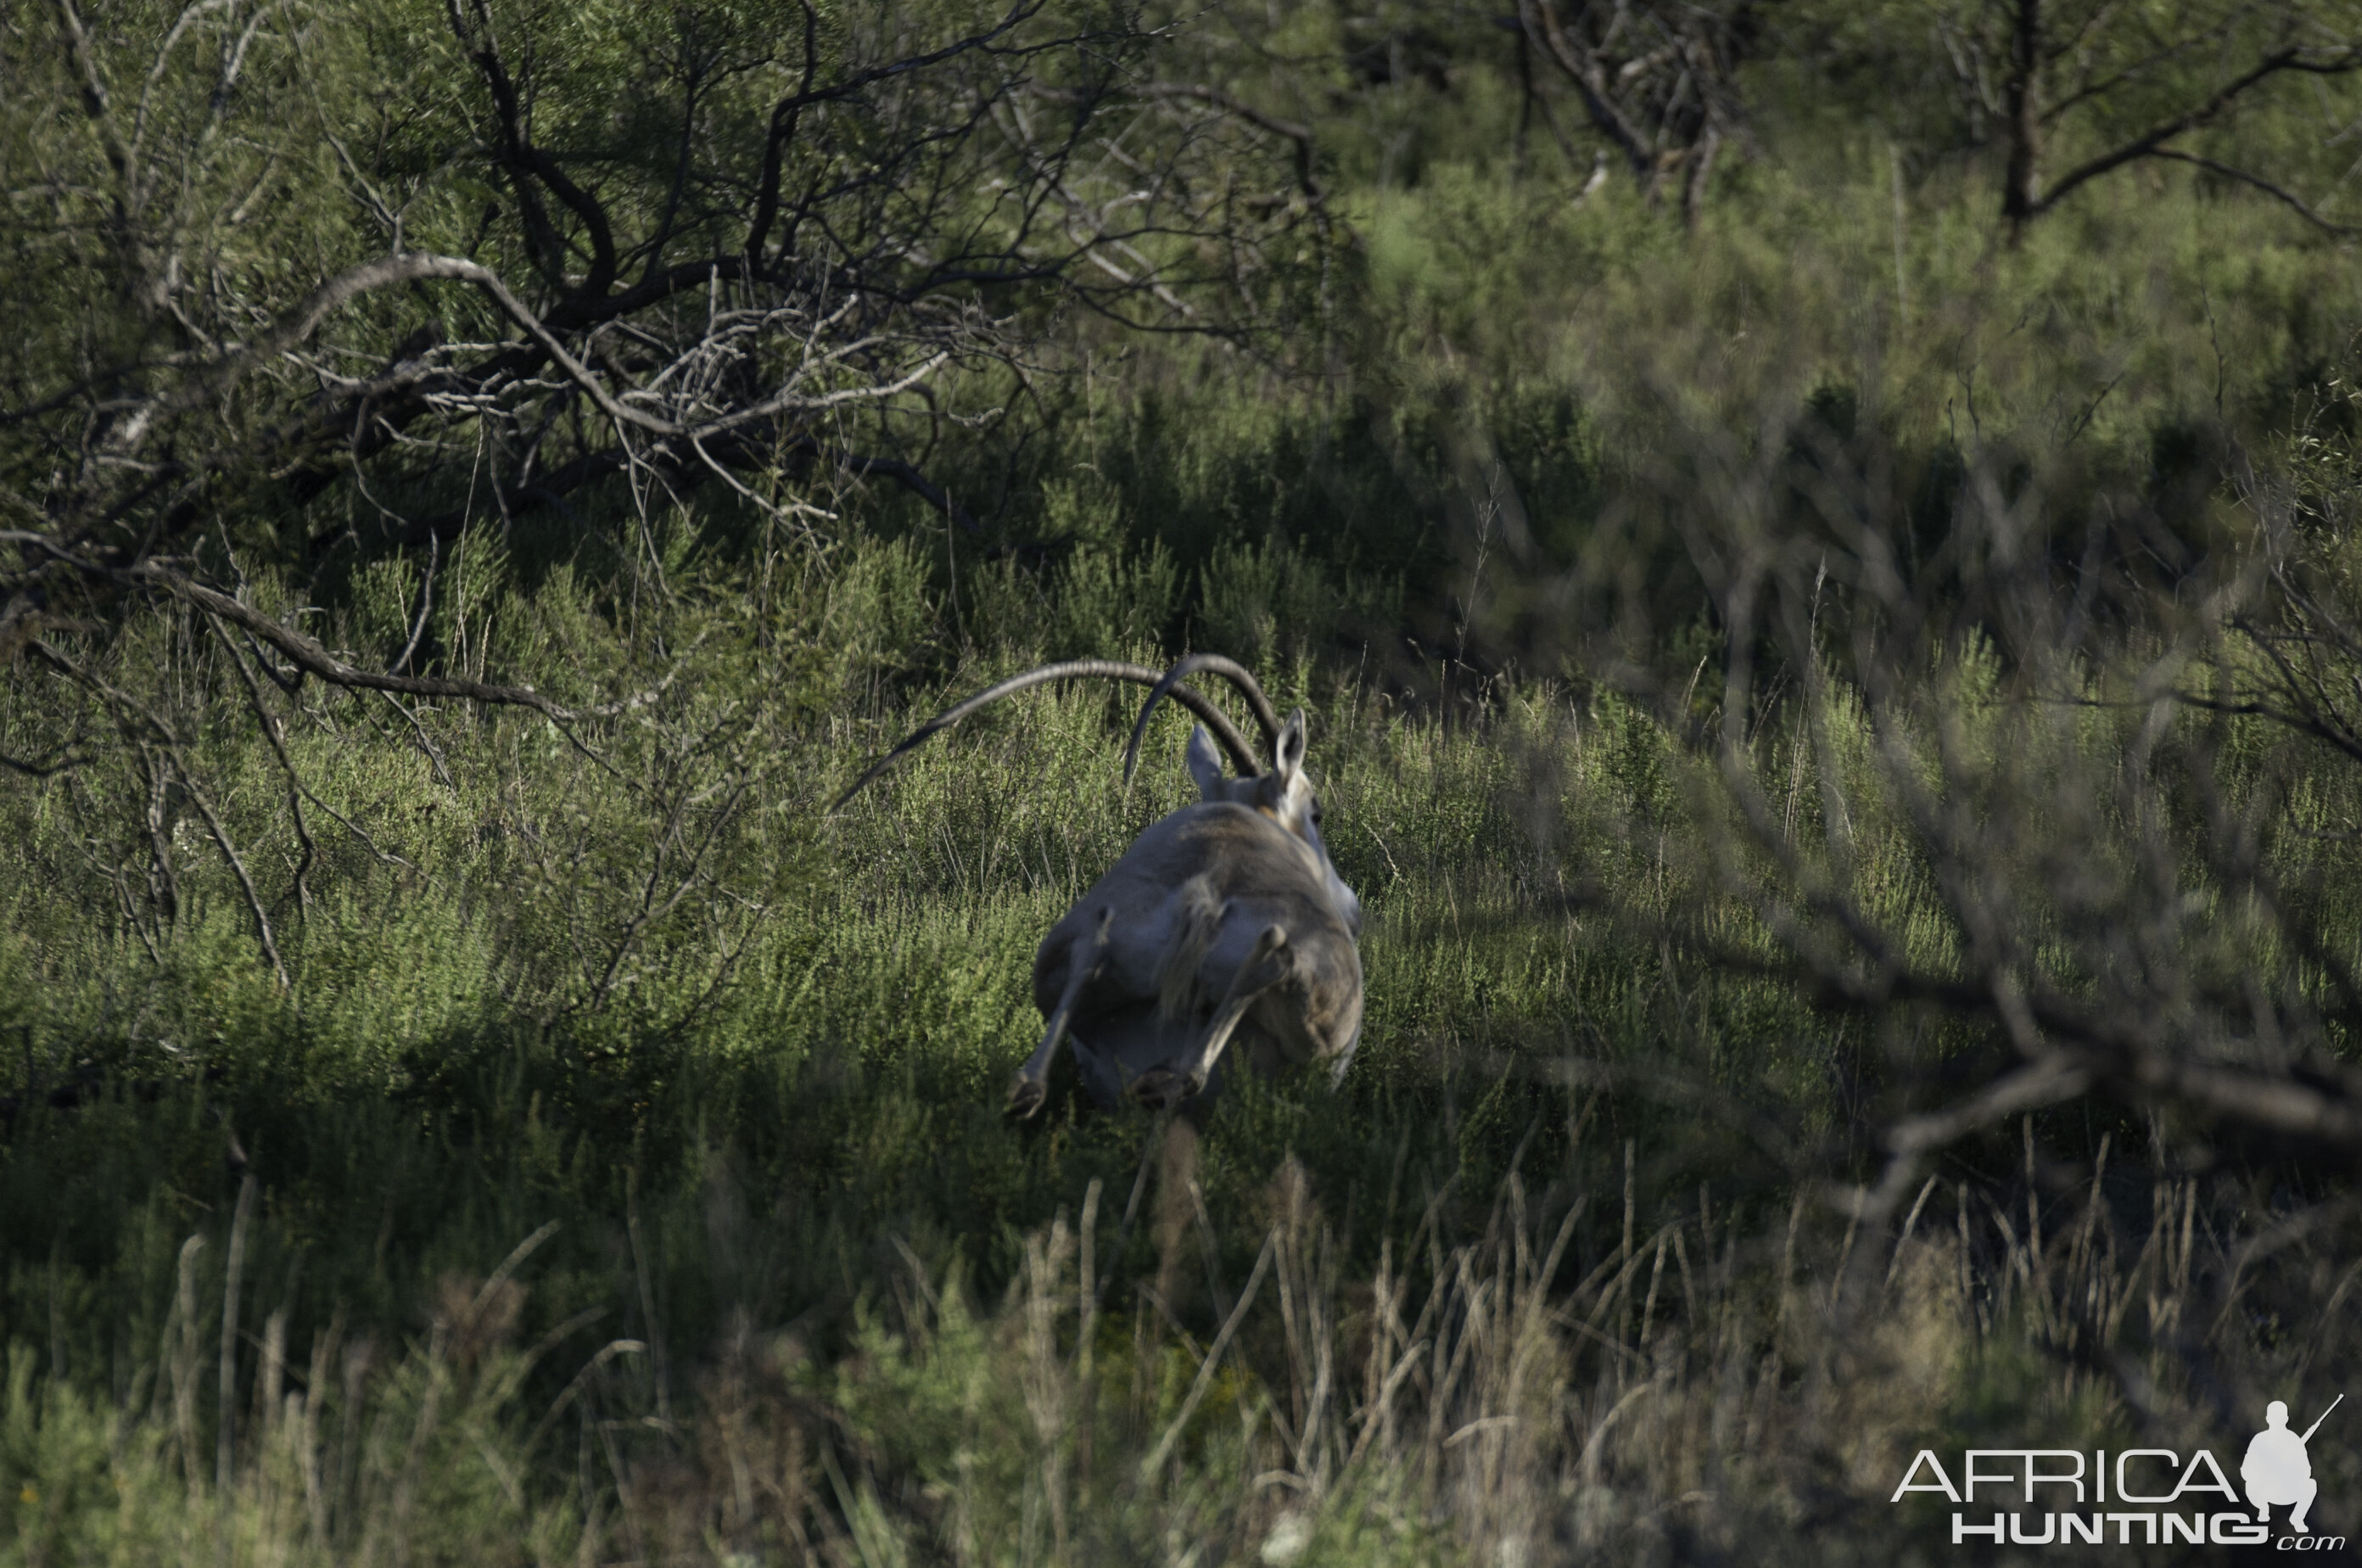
(2277, 1471)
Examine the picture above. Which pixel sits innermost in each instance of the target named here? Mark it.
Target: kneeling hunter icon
(2277, 1470)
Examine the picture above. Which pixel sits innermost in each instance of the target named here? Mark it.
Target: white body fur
(1223, 924)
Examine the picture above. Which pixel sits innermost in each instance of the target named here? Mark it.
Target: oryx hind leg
(1268, 965)
(1031, 1085)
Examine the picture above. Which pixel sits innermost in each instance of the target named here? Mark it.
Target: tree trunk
(1525, 104)
(2020, 195)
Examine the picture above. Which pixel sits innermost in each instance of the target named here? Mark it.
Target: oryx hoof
(1161, 1088)
(1025, 1098)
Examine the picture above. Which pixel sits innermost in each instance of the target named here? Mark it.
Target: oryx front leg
(1268, 965)
(1032, 1086)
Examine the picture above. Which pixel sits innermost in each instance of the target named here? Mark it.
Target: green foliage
(810, 1296)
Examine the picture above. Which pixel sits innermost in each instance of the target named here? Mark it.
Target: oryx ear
(1205, 764)
(1287, 756)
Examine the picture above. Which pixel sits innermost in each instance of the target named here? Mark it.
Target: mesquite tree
(2097, 87)
(462, 264)
(1659, 82)
(2113, 743)
(296, 288)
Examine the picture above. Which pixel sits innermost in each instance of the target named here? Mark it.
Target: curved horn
(1230, 670)
(1076, 669)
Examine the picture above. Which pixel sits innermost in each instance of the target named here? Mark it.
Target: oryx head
(1284, 793)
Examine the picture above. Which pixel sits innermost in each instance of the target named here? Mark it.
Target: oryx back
(1199, 888)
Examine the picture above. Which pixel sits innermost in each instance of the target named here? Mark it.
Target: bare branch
(2149, 142)
(313, 660)
(176, 763)
(523, 160)
(2260, 184)
(1589, 74)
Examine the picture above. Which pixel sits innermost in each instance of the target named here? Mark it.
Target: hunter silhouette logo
(2134, 1497)
(2277, 1471)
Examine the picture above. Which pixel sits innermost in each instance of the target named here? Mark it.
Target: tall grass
(1555, 1378)
(1541, 1279)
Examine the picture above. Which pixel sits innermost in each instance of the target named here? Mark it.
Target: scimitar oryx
(1223, 926)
